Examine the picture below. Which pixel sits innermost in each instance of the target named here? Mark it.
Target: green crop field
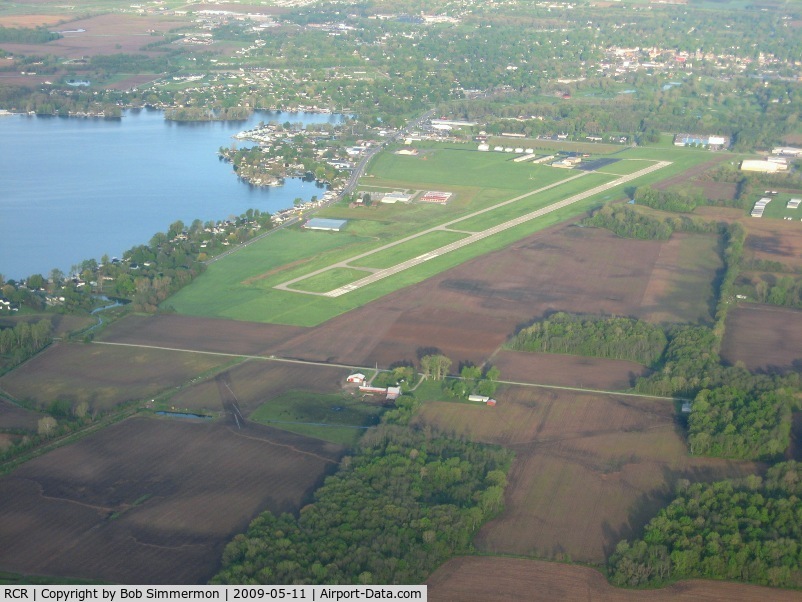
(241, 286)
(334, 417)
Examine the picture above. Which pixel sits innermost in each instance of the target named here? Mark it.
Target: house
(357, 378)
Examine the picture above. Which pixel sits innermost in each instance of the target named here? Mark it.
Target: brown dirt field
(12, 416)
(681, 282)
(773, 240)
(152, 500)
(481, 579)
(103, 375)
(567, 370)
(202, 334)
(102, 36)
(724, 191)
(764, 337)
(253, 383)
(589, 471)
(468, 311)
(30, 20)
(723, 214)
(29, 81)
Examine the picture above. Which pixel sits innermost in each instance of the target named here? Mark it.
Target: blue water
(73, 189)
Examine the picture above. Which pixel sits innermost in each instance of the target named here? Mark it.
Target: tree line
(24, 340)
(27, 35)
(611, 337)
(747, 530)
(406, 502)
(627, 222)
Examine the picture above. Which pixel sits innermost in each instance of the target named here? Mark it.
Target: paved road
(378, 274)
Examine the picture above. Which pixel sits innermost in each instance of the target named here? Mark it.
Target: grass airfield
(242, 286)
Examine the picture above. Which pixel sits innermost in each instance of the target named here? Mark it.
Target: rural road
(378, 274)
(370, 368)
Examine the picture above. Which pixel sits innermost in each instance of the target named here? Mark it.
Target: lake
(73, 189)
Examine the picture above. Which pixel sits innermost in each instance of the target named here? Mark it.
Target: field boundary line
(365, 368)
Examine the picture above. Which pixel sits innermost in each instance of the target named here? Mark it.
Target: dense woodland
(405, 502)
(747, 530)
(22, 341)
(613, 337)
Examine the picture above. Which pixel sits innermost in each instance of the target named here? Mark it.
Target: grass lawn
(776, 209)
(532, 203)
(335, 417)
(446, 168)
(408, 250)
(333, 278)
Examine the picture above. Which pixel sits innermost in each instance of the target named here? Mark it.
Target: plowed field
(152, 500)
(589, 471)
(103, 34)
(502, 579)
(568, 370)
(764, 337)
(103, 375)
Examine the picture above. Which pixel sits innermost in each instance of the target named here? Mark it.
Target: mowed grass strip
(333, 417)
(532, 203)
(445, 167)
(408, 250)
(330, 279)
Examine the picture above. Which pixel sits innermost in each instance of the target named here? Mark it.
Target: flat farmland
(682, 281)
(467, 312)
(773, 240)
(103, 376)
(485, 579)
(764, 337)
(201, 334)
(30, 20)
(15, 417)
(255, 383)
(589, 471)
(568, 370)
(102, 35)
(152, 500)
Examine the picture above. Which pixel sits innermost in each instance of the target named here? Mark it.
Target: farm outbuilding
(357, 378)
